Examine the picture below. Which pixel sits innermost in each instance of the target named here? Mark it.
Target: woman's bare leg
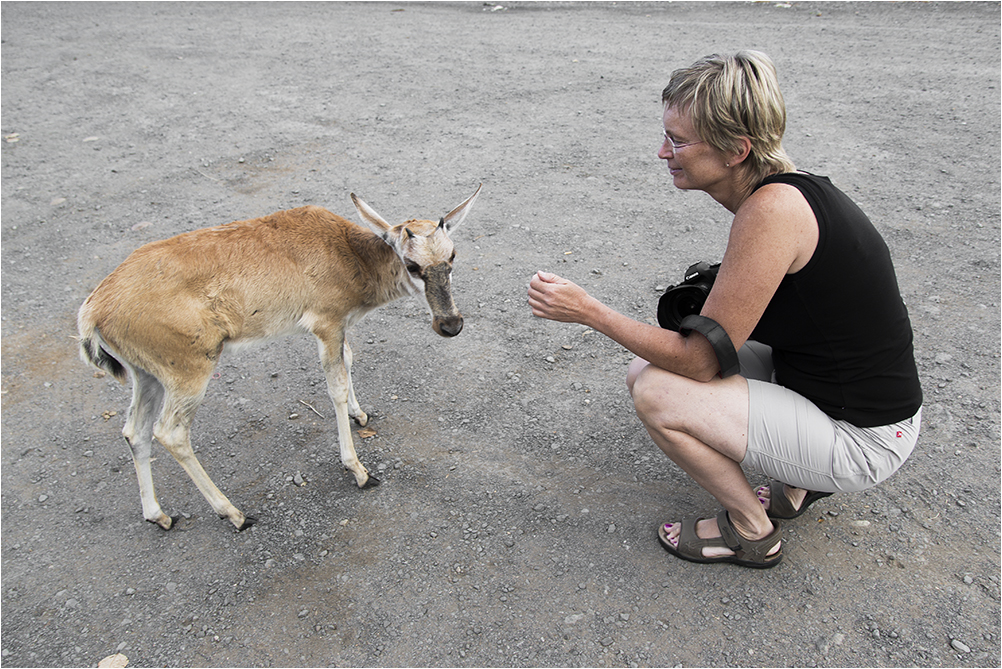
(702, 427)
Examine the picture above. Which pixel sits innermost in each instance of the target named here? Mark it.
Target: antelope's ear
(452, 220)
(370, 216)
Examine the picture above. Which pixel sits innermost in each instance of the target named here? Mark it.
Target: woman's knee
(653, 394)
(633, 371)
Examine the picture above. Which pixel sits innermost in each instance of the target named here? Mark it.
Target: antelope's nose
(449, 327)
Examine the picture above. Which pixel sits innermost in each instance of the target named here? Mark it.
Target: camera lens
(681, 301)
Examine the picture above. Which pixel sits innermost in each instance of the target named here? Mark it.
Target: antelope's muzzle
(446, 319)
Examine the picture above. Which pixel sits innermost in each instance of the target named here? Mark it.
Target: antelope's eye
(414, 268)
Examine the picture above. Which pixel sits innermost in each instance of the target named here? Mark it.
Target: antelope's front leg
(339, 388)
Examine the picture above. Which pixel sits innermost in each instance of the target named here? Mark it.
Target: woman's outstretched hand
(557, 299)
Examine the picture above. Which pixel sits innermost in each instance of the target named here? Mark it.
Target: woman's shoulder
(783, 191)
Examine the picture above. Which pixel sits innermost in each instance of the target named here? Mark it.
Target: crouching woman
(800, 365)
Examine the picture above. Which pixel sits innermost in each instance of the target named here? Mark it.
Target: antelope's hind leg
(173, 430)
(147, 395)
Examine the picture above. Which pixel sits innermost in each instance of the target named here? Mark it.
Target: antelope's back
(245, 280)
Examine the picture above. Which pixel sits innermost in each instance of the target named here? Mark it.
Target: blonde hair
(729, 97)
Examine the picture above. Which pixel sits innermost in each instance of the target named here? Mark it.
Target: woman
(828, 397)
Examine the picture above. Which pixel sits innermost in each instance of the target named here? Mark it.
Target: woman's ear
(738, 157)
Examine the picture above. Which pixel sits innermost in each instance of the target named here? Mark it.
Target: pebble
(960, 646)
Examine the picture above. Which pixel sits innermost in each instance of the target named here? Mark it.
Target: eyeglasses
(671, 143)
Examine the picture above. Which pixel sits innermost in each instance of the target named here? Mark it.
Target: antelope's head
(427, 253)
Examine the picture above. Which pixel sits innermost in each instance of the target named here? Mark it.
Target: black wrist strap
(723, 348)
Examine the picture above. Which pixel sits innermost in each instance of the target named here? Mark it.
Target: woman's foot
(708, 529)
(794, 496)
(792, 503)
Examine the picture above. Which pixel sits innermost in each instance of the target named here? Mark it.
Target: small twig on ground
(311, 408)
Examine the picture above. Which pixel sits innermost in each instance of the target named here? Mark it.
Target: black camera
(687, 297)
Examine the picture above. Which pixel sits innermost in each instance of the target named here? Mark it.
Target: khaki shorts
(792, 440)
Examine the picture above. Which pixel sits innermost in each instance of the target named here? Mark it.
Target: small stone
(959, 646)
(968, 579)
(42, 498)
(116, 661)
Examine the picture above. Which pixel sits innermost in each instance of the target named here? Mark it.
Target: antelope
(166, 314)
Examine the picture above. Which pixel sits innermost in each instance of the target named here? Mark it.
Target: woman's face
(694, 164)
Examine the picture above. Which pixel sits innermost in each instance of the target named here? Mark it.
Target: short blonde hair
(729, 97)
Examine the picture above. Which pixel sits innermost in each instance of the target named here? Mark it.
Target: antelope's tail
(93, 349)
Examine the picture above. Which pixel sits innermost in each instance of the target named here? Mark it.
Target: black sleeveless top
(838, 328)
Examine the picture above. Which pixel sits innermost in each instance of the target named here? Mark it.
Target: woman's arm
(558, 299)
(774, 233)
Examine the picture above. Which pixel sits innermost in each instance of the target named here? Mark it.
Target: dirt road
(516, 520)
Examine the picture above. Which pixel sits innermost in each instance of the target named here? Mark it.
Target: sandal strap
(748, 549)
(691, 544)
(727, 532)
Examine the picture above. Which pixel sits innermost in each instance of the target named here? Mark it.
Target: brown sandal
(780, 506)
(747, 552)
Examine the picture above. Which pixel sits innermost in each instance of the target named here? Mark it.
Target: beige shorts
(792, 440)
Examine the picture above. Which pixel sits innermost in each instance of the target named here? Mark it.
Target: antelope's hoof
(164, 522)
(362, 419)
(371, 482)
(248, 521)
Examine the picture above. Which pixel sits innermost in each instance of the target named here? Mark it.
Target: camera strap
(721, 342)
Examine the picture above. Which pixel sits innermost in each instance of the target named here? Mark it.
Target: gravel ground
(516, 521)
